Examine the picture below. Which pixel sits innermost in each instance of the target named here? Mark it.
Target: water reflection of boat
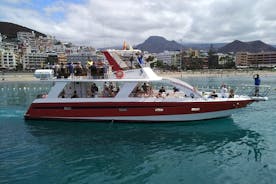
(209, 132)
(106, 147)
(132, 95)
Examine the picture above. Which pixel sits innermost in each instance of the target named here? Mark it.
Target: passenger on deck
(75, 95)
(257, 82)
(71, 69)
(94, 90)
(94, 71)
(89, 93)
(62, 94)
(161, 92)
(78, 69)
(145, 87)
(111, 86)
(149, 92)
(223, 91)
(213, 94)
(175, 89)
(106, 92)
(231, 93)
(138, 92)
(89, 63)
(63, 71)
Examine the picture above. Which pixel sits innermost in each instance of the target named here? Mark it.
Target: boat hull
(135, 111)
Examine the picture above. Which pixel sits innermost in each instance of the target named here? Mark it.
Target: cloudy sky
(104, 23)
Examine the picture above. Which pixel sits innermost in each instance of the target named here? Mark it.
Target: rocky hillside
(157, 44)
(239, 46)
(10, 30)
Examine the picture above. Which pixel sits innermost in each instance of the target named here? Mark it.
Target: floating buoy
(119, 74)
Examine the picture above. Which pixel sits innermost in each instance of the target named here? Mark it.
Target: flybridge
(119, 67)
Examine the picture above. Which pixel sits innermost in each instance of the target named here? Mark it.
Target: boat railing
(249, 90)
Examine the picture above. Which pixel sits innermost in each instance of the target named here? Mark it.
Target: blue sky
(109, 22)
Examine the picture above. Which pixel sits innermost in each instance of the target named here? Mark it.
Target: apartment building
(168, 57)
(32, 61)
(256, 60)
(28, 39)
(8, 59)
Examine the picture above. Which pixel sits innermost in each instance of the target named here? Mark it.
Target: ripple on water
(240, 149)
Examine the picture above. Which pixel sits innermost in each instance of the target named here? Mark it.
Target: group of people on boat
(91, 69)
(223, 93)
(147, 90)
(110, 89)
(144, 90)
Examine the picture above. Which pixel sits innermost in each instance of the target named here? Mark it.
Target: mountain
(10, 30)
(253, 47)
(157, 44)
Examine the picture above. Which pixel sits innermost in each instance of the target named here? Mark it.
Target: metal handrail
(245, 89)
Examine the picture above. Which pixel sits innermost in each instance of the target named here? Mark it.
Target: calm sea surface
(240, 149)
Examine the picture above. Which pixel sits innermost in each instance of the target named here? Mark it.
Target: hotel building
(256, 60)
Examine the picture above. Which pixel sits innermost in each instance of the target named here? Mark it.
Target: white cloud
(109, 22)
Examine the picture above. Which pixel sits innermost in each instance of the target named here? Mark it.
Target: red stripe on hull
(113, 109)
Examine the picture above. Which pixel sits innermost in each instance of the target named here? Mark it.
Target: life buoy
(119, 74)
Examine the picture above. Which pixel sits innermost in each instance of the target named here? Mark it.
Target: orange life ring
(120, 74)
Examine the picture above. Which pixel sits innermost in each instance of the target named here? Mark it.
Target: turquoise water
(239, 149)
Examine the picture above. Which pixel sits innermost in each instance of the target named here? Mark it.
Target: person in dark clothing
(75, 95)
(94, 90)
(93, 70)
(78, 69)
(162, 90)
(257, 82)
(71, 69)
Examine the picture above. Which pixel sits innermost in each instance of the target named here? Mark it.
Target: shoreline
(25, 77)
(219, 73)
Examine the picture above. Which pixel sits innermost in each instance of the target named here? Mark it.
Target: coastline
(25, 77)
(217, 73)
(17, 77)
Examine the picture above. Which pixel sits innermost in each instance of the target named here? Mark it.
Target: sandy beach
(14, 77)
(216, 73)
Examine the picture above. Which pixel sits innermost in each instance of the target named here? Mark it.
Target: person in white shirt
(223, 91)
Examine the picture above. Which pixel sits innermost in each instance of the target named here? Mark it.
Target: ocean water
(239, 149)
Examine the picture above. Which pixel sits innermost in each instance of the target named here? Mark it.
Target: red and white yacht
(136, 95)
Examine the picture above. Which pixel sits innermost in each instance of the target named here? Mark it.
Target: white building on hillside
(8, 59)
(33, 61)
(167, 56)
